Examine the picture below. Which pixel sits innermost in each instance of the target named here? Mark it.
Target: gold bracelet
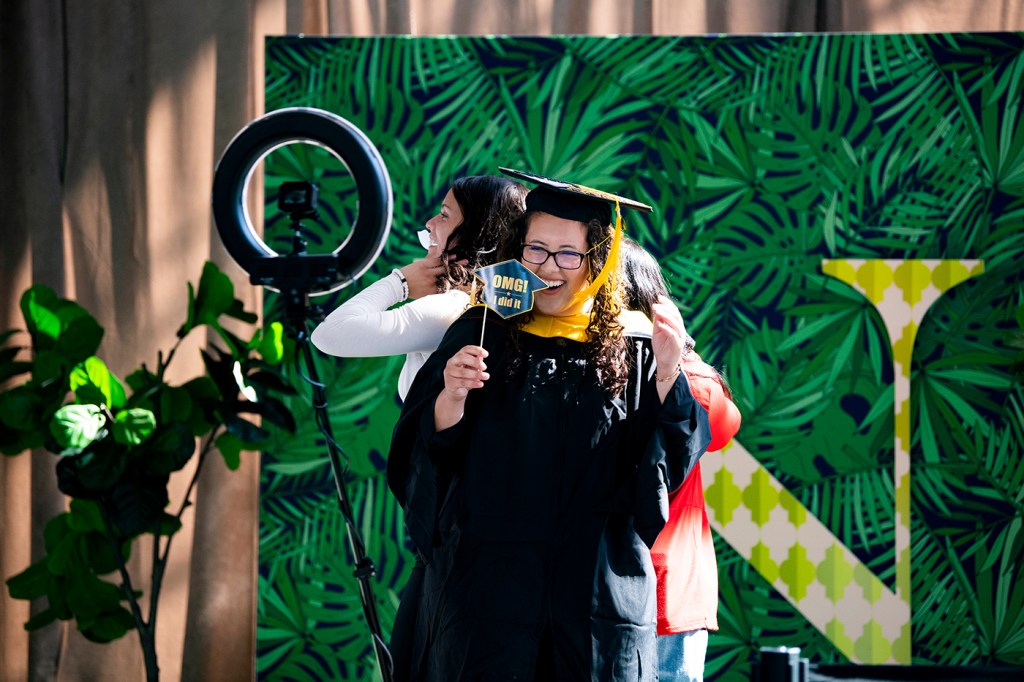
(670, 377)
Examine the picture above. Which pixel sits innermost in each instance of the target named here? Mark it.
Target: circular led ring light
(339, 137)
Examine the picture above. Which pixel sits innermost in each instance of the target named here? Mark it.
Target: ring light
(310, 273)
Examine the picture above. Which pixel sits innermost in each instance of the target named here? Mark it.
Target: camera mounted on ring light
(298, 273)
(298, 200)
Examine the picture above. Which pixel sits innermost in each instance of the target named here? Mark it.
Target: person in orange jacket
(684, 554)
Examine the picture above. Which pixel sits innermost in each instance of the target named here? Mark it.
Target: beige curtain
(112, 117)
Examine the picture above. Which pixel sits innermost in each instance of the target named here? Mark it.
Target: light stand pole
(297, 313)
(299, 199)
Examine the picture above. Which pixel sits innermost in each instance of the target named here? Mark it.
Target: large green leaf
(92, 382)
(32, 583)
(169, 449)
(214, 298)
(76, 427)
(133, 426)
(59, 324)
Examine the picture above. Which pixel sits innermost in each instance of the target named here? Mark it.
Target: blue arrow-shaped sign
(508, 287)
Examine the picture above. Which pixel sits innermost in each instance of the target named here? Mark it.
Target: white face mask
(426, 239)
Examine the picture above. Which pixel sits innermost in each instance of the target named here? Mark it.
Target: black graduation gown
(535, 513)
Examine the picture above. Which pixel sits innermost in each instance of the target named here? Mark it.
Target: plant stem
(160, 562)
(146, 630)
(161, 363)
(157, 574)
(207, 447)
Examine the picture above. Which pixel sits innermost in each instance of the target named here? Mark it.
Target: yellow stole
(574, 327)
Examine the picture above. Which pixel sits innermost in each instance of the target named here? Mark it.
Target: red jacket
(684, 554)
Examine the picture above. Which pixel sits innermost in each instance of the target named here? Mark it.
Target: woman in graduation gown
(533, 467)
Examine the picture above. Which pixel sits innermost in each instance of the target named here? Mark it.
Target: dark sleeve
(680, 437)
(686, 431)
(413, 474)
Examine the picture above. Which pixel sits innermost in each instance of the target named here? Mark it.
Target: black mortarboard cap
(571, 201)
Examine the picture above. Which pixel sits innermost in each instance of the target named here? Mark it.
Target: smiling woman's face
(441, 226)
(558, 234)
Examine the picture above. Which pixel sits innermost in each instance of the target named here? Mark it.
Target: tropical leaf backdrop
(763, 156)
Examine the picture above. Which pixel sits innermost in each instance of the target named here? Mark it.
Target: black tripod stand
(299, 274)
(297, 313)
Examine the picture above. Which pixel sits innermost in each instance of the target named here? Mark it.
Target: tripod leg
(364, 567)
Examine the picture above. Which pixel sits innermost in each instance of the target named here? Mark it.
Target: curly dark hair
(605, 348)
(489, 205)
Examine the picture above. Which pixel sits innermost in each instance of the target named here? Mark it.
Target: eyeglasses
(567, 260)
(426, 239)
(538, 255)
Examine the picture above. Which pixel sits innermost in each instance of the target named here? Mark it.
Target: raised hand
(668, 339)
(422, 274)
(463, 372)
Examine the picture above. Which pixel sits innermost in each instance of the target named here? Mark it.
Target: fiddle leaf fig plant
(117, 443)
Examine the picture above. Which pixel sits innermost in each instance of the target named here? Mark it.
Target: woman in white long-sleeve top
(474, 217)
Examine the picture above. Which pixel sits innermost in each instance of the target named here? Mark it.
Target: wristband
(404, 281)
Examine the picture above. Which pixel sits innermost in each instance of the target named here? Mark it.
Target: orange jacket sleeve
(706, 387)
